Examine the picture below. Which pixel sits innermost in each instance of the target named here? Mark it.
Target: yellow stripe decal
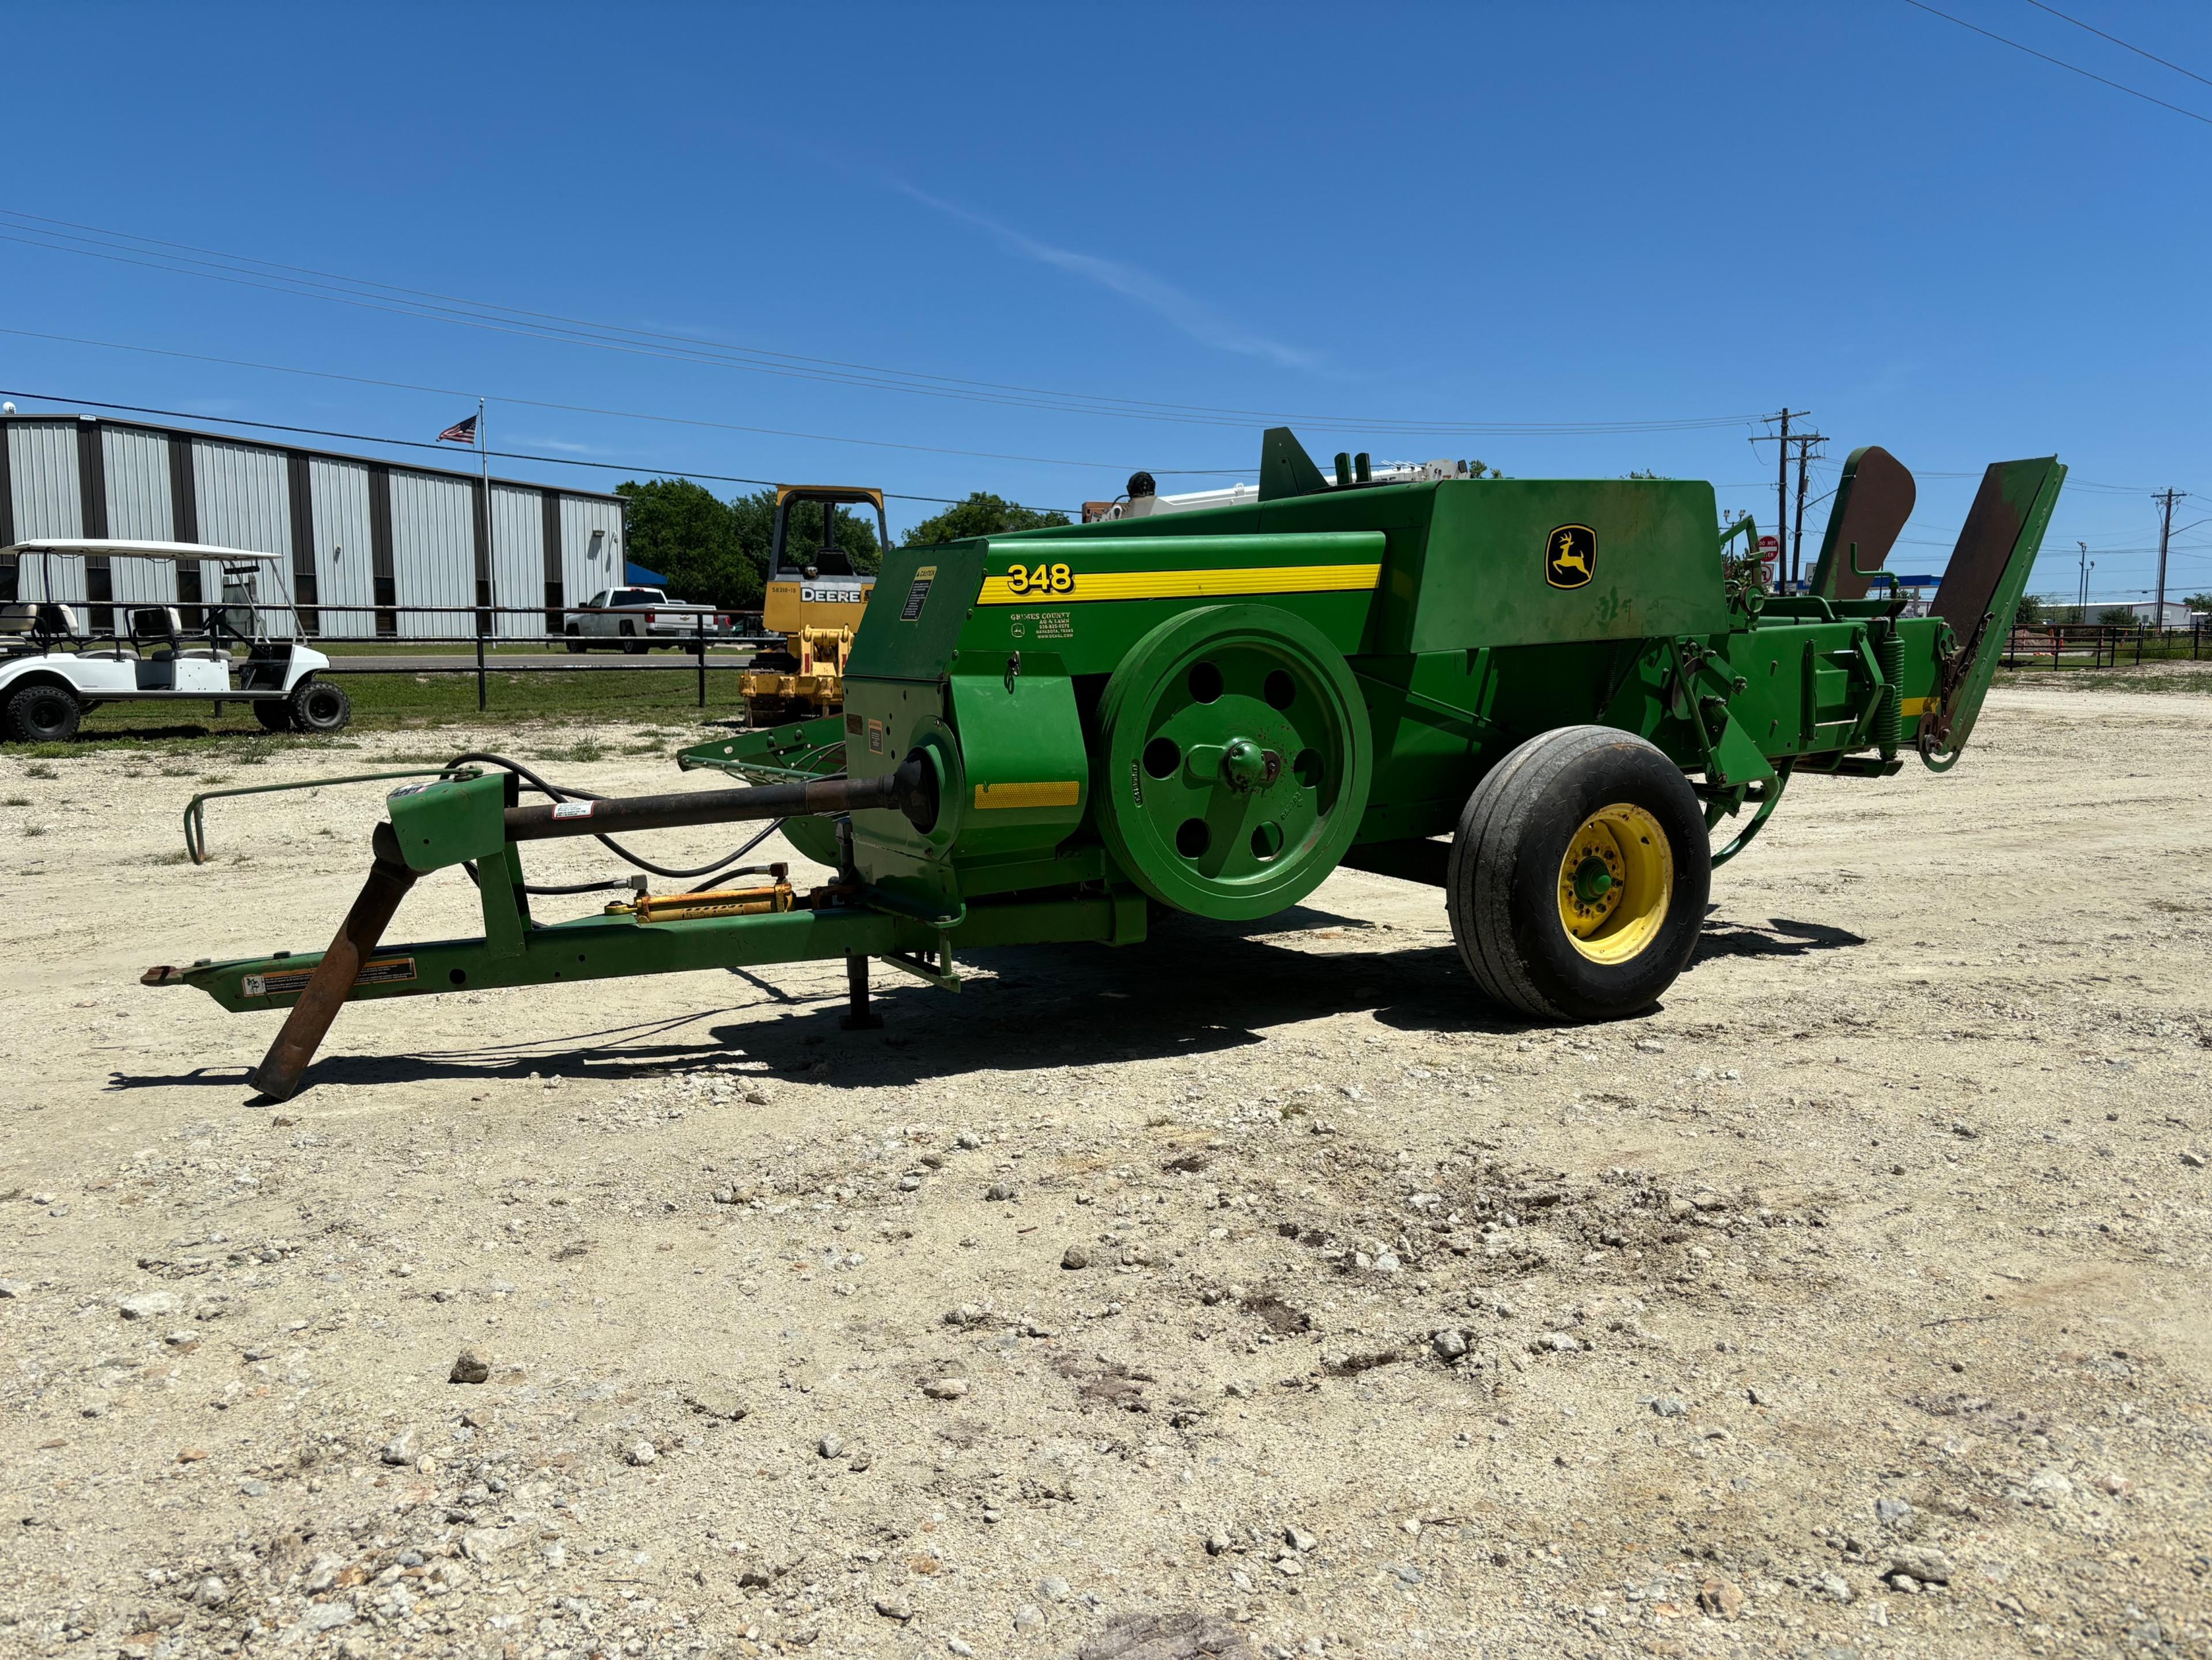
(1912, 706)
(1062, 792)
(1181, 584)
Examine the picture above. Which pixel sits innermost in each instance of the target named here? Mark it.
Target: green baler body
(1440, 596)
(1438, 624)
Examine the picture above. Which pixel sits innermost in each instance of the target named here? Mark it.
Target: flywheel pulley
(1236, 761)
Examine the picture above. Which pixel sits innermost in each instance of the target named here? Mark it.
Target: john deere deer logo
(1570, 556)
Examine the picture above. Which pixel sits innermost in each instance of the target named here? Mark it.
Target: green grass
(665, 704)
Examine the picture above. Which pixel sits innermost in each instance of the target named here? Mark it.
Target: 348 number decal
(1043, 579)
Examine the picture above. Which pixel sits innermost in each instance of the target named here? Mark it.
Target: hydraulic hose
(564, 793)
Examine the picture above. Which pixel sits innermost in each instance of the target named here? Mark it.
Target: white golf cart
(53, 670)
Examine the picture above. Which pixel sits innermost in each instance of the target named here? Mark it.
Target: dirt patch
(1852, 1300)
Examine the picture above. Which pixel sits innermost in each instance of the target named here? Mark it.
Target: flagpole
(489, 622)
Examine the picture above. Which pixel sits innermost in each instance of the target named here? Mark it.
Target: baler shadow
(1197, 988)
(614, 1053)
(1779, 937)
(1205, 988)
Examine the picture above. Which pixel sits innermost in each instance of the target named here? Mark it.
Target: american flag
(461, 432)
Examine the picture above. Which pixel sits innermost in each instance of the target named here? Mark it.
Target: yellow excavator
(815, 600)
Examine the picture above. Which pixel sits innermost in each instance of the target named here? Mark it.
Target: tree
(2035, 609)
(981, 514)
(2118, 616)
(690, 535)
(2202, 602)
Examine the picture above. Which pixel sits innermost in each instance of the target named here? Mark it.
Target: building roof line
(60, 418)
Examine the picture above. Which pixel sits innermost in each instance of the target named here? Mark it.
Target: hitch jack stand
(858, 1016)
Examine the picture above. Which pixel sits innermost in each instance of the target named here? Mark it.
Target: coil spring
(1889, 720)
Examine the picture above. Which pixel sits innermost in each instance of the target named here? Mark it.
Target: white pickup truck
(636, 619)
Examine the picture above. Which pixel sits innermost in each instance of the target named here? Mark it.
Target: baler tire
(44, 714)
(1502, 887)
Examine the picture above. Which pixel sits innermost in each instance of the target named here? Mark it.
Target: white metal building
(2176, 615)
(386, 537)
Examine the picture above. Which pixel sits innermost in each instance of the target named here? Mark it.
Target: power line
(2116, 86)
(504, 455)
(124, 248)
(2117, 41)
(625, 415)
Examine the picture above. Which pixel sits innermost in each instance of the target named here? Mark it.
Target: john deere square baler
(1541, 696)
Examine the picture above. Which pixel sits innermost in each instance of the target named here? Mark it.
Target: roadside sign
(1770, 550)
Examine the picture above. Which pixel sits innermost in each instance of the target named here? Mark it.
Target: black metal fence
(700, 637)
(696, 646)
(2101, 645)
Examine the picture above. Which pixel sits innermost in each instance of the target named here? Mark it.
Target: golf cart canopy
(72, 546)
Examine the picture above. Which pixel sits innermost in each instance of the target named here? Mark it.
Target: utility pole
(1781, 438)
(1804, 442)
(2166, 499)
(2081, 602)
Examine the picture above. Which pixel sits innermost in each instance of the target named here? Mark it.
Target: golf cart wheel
(1579, 875)
(275, 714)
(319, 706)
(44, 714)
(631, 643)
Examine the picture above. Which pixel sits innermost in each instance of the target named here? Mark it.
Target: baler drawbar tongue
(911, 789)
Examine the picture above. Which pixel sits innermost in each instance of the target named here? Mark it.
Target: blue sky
(1367, 219)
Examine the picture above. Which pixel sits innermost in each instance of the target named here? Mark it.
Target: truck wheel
(274, 715)
(43, 715)
(575, 640)
(1578, 876)
(319, 706)
(631, 644)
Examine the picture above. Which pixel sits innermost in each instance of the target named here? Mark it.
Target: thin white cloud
(553, 443)
(1196, 318)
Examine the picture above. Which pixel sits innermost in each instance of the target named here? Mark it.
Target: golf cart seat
(45, 621)
(157, 630)
(159, 633)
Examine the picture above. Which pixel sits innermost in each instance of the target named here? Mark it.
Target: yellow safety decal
(1022, 584)
(1912, 706)
(1061, 793)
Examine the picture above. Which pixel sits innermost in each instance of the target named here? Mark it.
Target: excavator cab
(815, 600)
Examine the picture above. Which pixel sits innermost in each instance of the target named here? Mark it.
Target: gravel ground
(1258, 1283)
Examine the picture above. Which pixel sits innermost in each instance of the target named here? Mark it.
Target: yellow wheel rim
(1615, 883)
